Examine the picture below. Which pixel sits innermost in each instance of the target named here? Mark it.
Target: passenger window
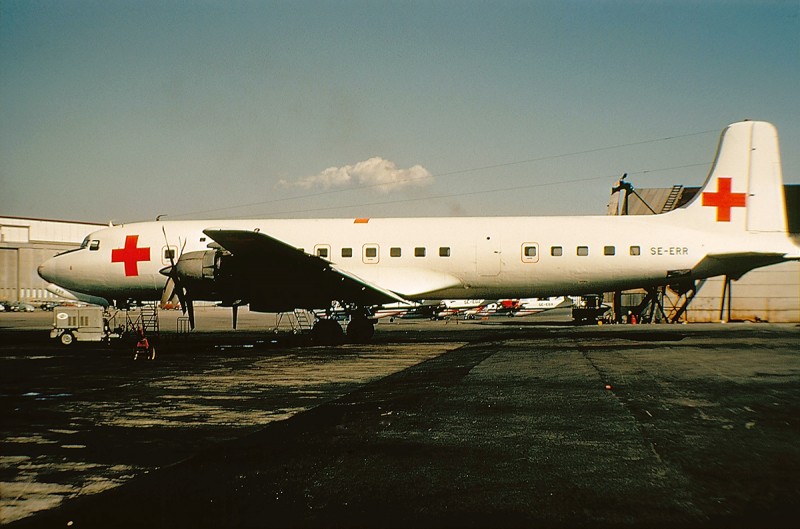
(169, 254)
(444, 251)
(556, 251)
(419, 252)
(635, 250)
(347, 252)
(322, 250)
(394, 252)
(583, 251)
(609, 250)
(530, 252)
(94, 246)
(370, 254)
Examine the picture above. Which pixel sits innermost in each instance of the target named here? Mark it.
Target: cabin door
(488, 255)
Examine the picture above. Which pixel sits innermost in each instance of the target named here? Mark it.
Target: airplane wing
(278, 276)
(735, 265)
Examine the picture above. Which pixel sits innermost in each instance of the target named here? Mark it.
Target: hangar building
(27, 243)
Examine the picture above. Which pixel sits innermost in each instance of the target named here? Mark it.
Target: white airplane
(737, 223)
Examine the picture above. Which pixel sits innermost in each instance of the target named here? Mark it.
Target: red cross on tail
(724, 200)
(130, 255)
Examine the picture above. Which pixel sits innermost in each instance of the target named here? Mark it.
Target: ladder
(147, 319)
(304, 321)
(300, 320)
(672, 199)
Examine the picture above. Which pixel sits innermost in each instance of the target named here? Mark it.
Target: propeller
(173, 285)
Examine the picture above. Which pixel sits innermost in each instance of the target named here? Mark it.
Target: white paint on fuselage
(662, 247)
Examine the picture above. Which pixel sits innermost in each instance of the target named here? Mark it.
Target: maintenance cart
(83, 324)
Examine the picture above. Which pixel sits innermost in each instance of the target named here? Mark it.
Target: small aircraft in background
(518, 307)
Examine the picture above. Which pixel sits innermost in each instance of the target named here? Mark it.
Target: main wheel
(360, 330)
(327, 332)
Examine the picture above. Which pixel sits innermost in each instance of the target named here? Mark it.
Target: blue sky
(122, 111)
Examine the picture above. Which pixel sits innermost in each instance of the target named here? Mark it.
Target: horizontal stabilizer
(735, 265)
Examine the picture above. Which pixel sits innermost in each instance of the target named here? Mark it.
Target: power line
(442, 175)
(480, 192)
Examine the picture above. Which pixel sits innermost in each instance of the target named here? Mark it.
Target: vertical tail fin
(744, 191)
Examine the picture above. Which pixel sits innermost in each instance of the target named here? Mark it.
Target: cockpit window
(94, 246)
(83, 246)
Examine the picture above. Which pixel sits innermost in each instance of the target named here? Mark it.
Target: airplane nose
(46, 270)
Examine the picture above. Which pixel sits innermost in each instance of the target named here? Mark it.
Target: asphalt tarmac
(527, 422)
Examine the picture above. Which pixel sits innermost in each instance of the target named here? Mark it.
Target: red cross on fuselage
(130, 255)
(724, 200)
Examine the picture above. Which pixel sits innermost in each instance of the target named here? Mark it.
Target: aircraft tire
(360, 330)
(327, 332)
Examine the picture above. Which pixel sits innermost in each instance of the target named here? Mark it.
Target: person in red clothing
(143, 346)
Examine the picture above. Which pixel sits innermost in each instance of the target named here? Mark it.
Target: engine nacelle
(208, 275)
(199, 266)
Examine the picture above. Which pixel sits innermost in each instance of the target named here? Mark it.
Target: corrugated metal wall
(765, 294)
(27, 243)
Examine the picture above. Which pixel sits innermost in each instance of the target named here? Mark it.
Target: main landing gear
(327, 331)
(360, 329)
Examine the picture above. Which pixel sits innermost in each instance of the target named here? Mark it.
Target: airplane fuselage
(418, 257)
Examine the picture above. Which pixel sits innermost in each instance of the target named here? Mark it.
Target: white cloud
(378, 173)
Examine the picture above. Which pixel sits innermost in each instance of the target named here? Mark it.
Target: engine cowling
(199, 266)
(207, 274)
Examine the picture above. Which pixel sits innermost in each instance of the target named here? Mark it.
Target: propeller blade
(174, 285)
(235, 309)
(171, 257)
(169, 291)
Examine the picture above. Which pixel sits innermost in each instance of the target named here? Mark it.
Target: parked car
(19, 306)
